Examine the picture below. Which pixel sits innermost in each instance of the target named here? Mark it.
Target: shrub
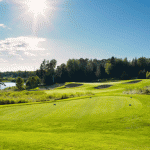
(72, 95)
(3, 102)
(142, 74)
(89, 93)
(146, 91)
(12, 102)
(13, 80)
(64, 96)
(28, 83)
(147, 75)
(79, 93)
(33, 81)
(22, 101)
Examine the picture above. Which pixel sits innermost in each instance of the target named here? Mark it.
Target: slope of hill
(110, 119)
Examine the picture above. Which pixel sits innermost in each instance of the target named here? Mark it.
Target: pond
(8, 84)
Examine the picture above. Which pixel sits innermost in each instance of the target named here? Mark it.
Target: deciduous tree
(19, 83)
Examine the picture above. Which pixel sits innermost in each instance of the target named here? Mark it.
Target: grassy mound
(103, 86)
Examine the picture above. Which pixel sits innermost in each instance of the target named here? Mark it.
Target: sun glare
(36, 7)
(36, 13)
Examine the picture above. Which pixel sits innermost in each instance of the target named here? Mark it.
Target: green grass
(104, 122)
(15, 97)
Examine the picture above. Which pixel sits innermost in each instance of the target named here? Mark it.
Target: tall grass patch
(138, 88)
(14, 97)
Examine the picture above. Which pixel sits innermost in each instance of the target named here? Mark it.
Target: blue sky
(31, 31)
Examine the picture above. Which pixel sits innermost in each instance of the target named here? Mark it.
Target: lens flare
(36, 7)
(36, 13)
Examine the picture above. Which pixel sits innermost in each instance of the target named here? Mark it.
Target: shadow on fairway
(136, 81)
(103, 86)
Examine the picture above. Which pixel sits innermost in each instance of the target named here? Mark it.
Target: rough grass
(141, 88)
(14, 97)
(104, 121)
(137, 90)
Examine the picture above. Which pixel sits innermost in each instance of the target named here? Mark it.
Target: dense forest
(85, 70)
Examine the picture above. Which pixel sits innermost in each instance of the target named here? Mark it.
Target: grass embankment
(15, 97)
(104, 121)
(143, 88)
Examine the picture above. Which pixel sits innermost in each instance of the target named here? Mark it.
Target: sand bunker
(50, 87)
(136, 81)
(72, 85)
(103, 86)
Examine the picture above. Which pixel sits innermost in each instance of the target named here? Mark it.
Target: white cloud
(2, 25)
(16, 67)
(21, 50)
(20, 58)
(46, 54)
(2, 60)
(29, 54)
(1, 0)
(21, 44)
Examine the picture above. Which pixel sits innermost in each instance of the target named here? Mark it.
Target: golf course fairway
(107, 120)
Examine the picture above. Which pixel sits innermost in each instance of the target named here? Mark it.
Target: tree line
(15, 74)
(85, 70)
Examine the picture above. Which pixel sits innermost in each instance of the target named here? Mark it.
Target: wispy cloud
(20, 49)
(21, 44)
(16, 67)
(3, 60)
(1, 0)
(2, 25)
(29, 54)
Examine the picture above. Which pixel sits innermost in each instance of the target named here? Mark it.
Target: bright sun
(37, 13)
(36, 7)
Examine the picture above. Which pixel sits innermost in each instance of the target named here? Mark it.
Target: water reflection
(8, 84)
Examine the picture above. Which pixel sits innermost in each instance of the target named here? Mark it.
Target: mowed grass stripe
(101, 104)
(105, 121)
(90, 141)
(90, 109)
